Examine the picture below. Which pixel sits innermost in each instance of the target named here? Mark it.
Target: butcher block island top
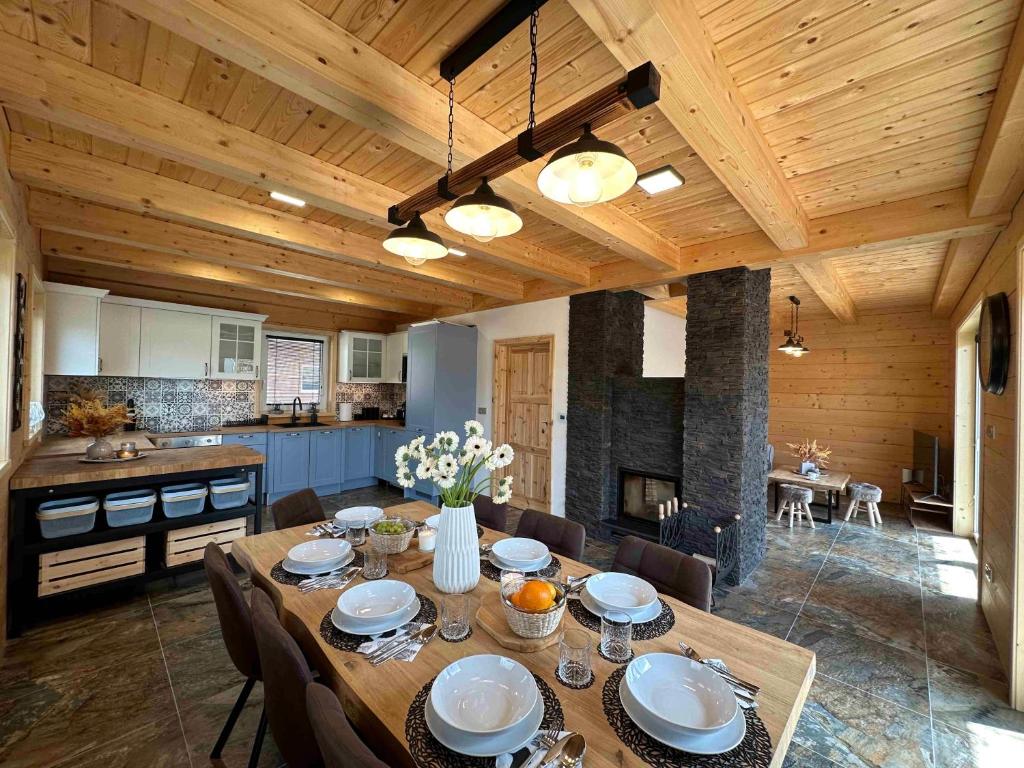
(40, 472)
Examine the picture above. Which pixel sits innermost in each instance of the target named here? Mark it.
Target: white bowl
(621, 592)
(315, 570)
(357, 514)
(375, 601)
(492, 745)
(680, 694)
(484, 695)
(433, 521)
(319, 552)
(520, 553)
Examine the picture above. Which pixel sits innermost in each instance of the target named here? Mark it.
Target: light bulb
(585, 189)
(416, 261)
(484, 228)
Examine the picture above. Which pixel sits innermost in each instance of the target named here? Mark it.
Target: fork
(690, 653)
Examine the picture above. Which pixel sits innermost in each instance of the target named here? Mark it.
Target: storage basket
(129, 507)
(228, 493)
(535, 625)
(183, 500)
(392, 543)
(66, 517)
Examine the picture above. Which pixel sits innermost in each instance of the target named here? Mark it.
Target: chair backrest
(339, 743)
(670, 572)
(232, 611)
(299, 508)
(489, 514)
(285, 677)
(563, 537)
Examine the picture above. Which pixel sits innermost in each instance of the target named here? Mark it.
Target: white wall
(664, 344)
(537, 319)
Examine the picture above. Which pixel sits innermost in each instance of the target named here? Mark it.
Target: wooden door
(522, 415)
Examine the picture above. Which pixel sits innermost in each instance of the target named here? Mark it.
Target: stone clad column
(726, 413)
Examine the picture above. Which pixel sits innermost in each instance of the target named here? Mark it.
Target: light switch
(481, 411)
(989, 575)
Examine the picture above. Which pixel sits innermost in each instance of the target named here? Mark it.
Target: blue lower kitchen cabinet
(325, 470)
(289, 463)
(258, 442)
(357, 457)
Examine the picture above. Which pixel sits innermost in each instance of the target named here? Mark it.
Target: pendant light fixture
(794, 343)
(483, 215)
(586, 172)
(415, 243)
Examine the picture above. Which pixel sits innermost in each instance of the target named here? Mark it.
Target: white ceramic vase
(457, 552)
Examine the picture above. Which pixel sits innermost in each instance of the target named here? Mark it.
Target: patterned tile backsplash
(162, 405)
(387, 397)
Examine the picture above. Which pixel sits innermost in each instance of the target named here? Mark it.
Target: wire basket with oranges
(533, 606)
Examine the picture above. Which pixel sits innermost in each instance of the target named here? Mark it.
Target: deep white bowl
(621, 592)
(679, 693)
(375, 601)
(484, 695)
(356, 514)
(319, 552)
(520, 553)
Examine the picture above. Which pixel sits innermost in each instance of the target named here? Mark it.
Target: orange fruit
(534, 597)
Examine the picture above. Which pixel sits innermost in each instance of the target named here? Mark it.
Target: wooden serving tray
(490, 617)
(410, 560)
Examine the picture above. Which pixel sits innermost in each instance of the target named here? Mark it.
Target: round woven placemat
(428, 752)
(646, 631)
(281, 576)
(490, 571)
(343, 641)
(755, 751)
(574, 686)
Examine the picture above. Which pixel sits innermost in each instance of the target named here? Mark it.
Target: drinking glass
(574, 657)
(356, 533)
(375, 564)
(617, 636)
(454, 616)
(511, 580)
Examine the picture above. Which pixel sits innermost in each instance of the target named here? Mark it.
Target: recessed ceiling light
(456, 252)
(283, 198)
(662, 179)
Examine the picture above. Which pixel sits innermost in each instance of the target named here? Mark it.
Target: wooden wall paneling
(118, 41)
(64, 26)
(16, 19)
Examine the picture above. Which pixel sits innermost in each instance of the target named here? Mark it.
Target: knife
(556, 750)
(424, 636)
(400, 634)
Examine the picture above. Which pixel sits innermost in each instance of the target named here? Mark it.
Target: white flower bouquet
(453, 469)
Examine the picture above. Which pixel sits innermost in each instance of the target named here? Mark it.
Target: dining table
(377, 699)
(830, 482)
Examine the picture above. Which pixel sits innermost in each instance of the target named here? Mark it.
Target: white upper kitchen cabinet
(72, 330)
(235, 349)
(396, 347)
(175, 345)
(120, 338)
(361, 357)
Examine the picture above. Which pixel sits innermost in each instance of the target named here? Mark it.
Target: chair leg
(875, 516)
(257, 740)
(792, 512)
(782, 511)
(850, 509)
(236, 710)
(807, 512)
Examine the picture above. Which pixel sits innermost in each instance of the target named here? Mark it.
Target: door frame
(965, 419)
(498, 411)
(1017, 610)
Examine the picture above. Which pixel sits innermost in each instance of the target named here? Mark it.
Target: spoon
(574, 750)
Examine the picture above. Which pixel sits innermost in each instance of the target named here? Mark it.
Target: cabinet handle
(99, 369)
(245, 437)
(293, 434)
(257, 370)
(206, 369)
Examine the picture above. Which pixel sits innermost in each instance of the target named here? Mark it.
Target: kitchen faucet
(295, 414)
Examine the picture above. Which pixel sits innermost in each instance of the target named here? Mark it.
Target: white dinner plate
(679, 694)
(485, 746)
(714, 743)
(639, 617)
(320, 553)
(356, 514)
(621, 592)
(484, 695)
(374, 602)
(497, 562)
(304, 570)
(340, 621)
(521, 553)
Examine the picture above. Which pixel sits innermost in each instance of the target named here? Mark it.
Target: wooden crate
(186, 545)
(70, 569)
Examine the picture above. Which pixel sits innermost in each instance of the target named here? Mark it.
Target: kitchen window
(295, 365)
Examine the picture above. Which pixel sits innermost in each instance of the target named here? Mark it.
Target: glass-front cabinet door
(362, 357)
(236, 349)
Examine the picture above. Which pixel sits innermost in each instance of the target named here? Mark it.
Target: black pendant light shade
(415, 243)
(483, 215)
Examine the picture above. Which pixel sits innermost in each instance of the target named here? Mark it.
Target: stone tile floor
(907, 673)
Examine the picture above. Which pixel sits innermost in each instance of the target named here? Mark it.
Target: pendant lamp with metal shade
(794, 343)
(483, 215)
(586, 172)
(415, 243)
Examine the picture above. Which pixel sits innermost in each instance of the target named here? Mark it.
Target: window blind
(294, 369)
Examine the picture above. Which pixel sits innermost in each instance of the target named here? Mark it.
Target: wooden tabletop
(66, 470)
(62, 445)
(377, 698)
(829, 480)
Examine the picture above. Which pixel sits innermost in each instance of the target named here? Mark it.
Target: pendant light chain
(533, 67)
(451, 122)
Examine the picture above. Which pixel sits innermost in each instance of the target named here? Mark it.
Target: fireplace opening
(640, 493)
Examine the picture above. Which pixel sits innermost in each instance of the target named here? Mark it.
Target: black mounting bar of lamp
(487, 35)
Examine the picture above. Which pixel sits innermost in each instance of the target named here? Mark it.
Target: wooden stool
(797, 500)
(870, 495)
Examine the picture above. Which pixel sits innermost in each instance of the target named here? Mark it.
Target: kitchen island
(47, 575)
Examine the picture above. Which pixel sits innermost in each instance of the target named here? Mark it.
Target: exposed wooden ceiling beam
(294, 46)
(48, 85)
(997, 178)
(60, 169)
(281, 310)
(128, 256)
(823, 279)
(675, 305)
(71, 216)
(701, 100)
(963, 257)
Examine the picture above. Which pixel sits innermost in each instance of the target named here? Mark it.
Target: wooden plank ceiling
(860, 104)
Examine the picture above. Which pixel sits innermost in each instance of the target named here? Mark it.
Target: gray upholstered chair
(339, 743)
(672, 573)
(870, 495)
(563, 537)
(285, 678)
(299, 508)
(797, 499)
(489, 514)
(236, 629)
